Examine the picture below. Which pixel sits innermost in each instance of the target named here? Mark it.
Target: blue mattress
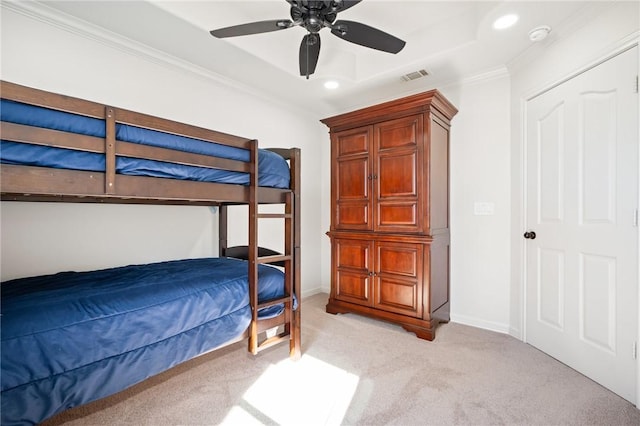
(273, 170)
(74, 337)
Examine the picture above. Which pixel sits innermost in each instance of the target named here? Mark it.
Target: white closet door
(581, 201)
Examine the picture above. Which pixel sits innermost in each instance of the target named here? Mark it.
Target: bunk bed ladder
(288, 332)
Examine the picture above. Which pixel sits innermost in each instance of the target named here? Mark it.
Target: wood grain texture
(390, 202)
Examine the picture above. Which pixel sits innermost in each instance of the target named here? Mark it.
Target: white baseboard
(312, 291)
(480, 323)
(515, 332)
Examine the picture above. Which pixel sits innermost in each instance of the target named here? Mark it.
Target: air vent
(415, 75)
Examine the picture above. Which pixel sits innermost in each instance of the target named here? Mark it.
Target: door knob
(530, 235)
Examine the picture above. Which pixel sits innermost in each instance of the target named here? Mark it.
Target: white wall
(40, 238)
(612, 25)
(480, 172)
(325, 243)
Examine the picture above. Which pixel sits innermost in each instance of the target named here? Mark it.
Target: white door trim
(622, 46)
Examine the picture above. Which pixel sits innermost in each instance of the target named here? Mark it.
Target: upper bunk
(61, 148)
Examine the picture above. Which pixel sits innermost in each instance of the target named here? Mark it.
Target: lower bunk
(74, 337)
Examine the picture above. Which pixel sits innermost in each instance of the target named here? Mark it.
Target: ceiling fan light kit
(314, 16)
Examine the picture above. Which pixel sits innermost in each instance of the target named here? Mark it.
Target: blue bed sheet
(74, 337)
(273, 170)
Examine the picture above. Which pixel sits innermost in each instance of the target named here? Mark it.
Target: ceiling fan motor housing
(315, 15)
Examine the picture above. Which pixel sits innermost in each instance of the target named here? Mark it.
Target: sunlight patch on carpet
(308, 391)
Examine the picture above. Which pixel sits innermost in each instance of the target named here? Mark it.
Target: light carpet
(358, 371)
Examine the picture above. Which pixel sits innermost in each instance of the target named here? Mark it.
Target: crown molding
(484, 77)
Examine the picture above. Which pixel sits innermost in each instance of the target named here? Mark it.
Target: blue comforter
(273, 170)
(74, 337)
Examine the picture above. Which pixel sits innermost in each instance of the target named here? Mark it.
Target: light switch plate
(483, 208)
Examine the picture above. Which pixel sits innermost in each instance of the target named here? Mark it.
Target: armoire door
(353, 270)
(582, 236)
(351, 183)
(399, 280)
(398, 175)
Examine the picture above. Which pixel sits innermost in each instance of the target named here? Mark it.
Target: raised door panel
(399, 133)
(397, 201)
(353, 271)
(398, 278)
(353, 199)
(398, 175)
(352, 180)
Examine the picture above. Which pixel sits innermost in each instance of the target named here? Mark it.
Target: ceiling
(451, 40)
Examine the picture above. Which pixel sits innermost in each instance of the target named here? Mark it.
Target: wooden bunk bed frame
(29, 183)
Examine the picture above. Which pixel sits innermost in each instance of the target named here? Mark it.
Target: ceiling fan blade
(367, 36)
(252, 28)
(344, 5)
(309, 53)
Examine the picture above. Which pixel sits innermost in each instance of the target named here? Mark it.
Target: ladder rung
(274, 302)
(275, 215)
(274, 258)
(267, 343)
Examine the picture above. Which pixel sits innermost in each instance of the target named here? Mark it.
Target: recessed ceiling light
(505, 21)
(331, 84)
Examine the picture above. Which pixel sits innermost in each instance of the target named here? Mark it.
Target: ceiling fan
(314, 16)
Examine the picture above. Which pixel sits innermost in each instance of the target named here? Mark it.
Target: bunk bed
(74, 337)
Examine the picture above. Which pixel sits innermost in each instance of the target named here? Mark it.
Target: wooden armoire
(390, 212)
